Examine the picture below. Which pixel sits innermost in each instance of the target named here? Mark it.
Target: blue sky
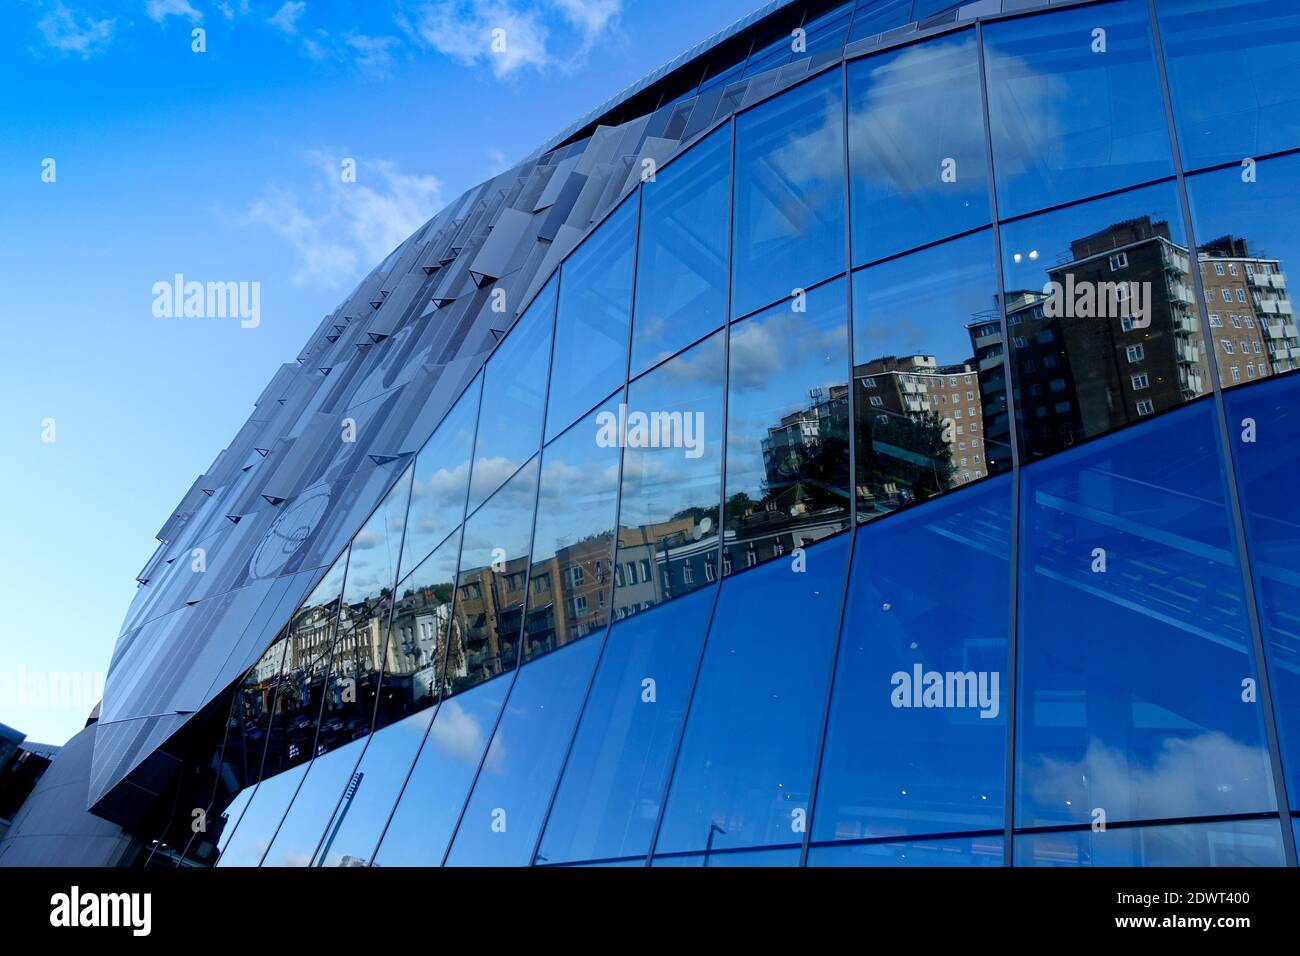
(224, 165)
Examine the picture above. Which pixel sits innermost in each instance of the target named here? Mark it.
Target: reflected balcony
(1260, 279)
(1269, 307)
(1187, 354)
(1277, 280)
(1185, 323)
(1179, 292)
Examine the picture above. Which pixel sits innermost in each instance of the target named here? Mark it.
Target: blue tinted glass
(251, 838)
(313, 806)
(789, 204)
(672, 480)
(1074, 105)
(359, 819)
(1104, 331)
(615, 777)
(573, 545)
(227, 821)
(746, 759)
(1266, 470)
(425, 817)
(788, 427)
(929, 375)
(1230, 843)
(917, 735)
(514, 397)
(440, 482)
(1248, 244)
(1231, 70)
(491, 585)
(591, 330)
(1147, 710)
(916, 146)
(877, 16)
(681, 277)
(505, 811)
(969, 851)
(788, 856)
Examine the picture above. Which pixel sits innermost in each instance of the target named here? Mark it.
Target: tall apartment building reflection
(1251, 318)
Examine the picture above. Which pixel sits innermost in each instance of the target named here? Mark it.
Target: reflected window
(1228, 843)
(929, 384)
(1074, 105)
(491, 585)
(788, 426)
(1097, 294)
(916, 146)
(1231, 70)
(746, 760)
(1248, 244)
(504, 814)
(1145, 711)
(514, 397)
(681, 278)
(573, 543)
(916, 741)
(672, 477)
(591, 328)
(789, 202)
(441, 480)
(617, 771)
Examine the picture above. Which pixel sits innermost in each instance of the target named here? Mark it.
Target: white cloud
(372, 55)
(337, 228)
(229, 10)
(68, 31)
(590, 17)
(286, 18)
(160, 10)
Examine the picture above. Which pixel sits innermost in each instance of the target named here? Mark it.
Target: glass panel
(505, 811)
(879, 16)
(514, 398)
(916, 146)
(226, 821)
(672, 480)
(1074, 105)
(827, 31)
(491, 585)
(1231, 70)
(1230, 843)
(257, 826)
(617, 771)
(788, 856)
(969, 851)
(787, 428)
(1266, 470)
(441, 479)
(573, 544)
(681, 279)
(1244, 270)
(789, 204)
(746, 759)
(917, 736)
(425, 818)
(1148, 710)
(313, 807)
(591, 331)
(1103, 328)
(929, 375)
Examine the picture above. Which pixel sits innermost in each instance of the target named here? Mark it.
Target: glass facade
(899, 476)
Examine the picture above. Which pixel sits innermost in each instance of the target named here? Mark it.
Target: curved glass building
(865, 441)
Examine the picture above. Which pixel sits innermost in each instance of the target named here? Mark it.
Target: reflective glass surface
(514, 398)
(616, 774)
(672, 480)
(1231, 67)
(916, 146)
(966, 851)
(1227, 843)
(928, 373)
(787, 856)
(571, 576)
(491, 585)
(1074, 105)
(1248, 243)
(681, 277)
(313, 807)
(440, 482)
(591, 328)
(746, 760)
(1102, 320)
(789, 202)
(505, 811)
(787, 428)
(257, 825)
(1148, 710)
(916, 741)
